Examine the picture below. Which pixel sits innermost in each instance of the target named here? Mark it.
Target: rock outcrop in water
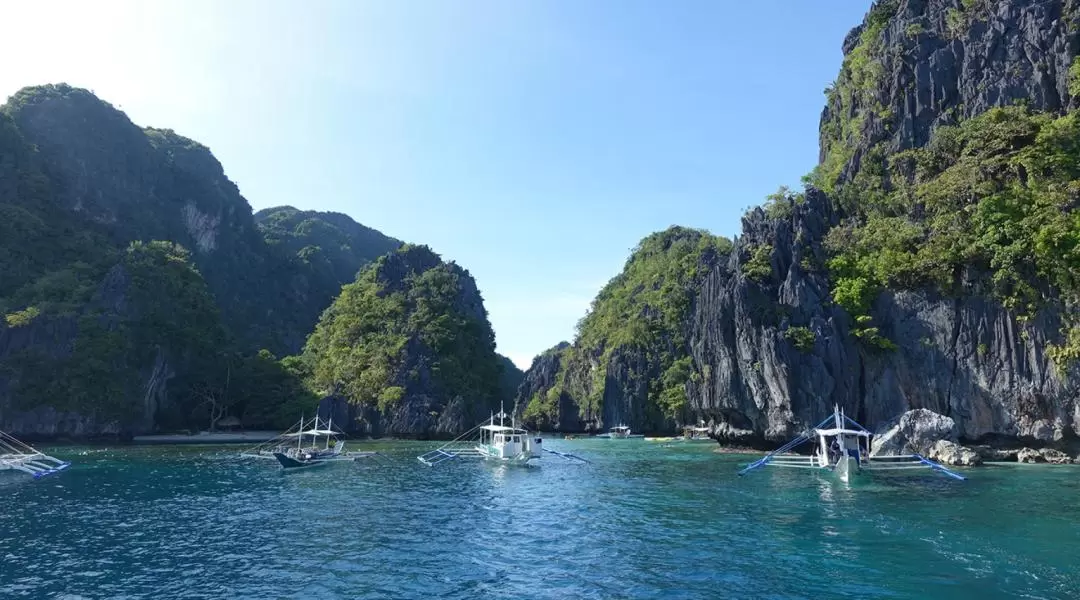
(849, 293)
(923, 432)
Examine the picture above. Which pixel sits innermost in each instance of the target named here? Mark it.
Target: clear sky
(533, 142)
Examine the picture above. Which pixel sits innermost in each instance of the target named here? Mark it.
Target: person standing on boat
(834, 452)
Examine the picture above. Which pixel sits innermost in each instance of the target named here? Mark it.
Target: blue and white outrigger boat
(292, 452)
(500, 443)
(19, 456)
(844, 449)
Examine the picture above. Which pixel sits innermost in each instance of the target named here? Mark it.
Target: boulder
(1055, 457)
(951, 453)
(1029, 455)
(914, 431)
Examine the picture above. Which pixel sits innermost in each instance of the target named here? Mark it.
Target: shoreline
(204, 437)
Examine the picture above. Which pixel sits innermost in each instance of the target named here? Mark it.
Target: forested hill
(931, 262)
(332, 244)
(407, 349)
(630, 362)
(136, 288)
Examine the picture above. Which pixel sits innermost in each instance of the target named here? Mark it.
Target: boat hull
(292, 464)
(847, 468)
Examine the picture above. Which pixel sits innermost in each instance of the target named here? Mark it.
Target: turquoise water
(642, 521)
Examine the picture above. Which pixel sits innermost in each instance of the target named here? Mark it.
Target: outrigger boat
(19, 456)
(292, 453)
(699, 433)
(844, 449)
(511, 445)
(619, 432)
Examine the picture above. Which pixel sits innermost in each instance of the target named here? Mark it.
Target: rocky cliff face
(153, 184)
(771, 350)
(912, 67)
(79, 184)
(915, 65)
(964, 357)
(407, 349)
(630, 361)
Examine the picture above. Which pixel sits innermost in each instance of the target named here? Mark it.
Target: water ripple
(640, 522)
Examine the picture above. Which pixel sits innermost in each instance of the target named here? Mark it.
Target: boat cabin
(500, 441)
(696, 433)
(838, 442)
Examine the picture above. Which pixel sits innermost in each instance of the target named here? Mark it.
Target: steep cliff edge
(915, 65)
(933, 260)
(629, 362)
(940, 270)
(407, 349)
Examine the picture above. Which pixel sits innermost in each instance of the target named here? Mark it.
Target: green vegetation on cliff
(996, 194)
(163, 303)
(852, 100)
(137, 287)
(991, 197)
(410, 325)
(644, 310)
(333, 245)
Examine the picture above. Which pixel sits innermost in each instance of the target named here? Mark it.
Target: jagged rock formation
(777, 337)
(915, 65)
(914, 431)
(923, 432)
(407, 349)
(951, 453)
(629, 363)
(911, 67)
(80, 183)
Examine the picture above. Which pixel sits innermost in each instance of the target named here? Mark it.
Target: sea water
(643, 520)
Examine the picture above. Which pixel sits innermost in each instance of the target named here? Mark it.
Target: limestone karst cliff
(932, 261)
(84, 349)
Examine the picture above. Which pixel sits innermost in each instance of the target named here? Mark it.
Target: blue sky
(532, 142)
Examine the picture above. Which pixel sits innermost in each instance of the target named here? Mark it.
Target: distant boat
(619, 432)
(292, 451)
(19, 456)
(501, 443)
(843, 449)
(695, 434)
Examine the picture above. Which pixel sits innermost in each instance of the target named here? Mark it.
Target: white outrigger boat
(699, 433)
(844, 449)
(19, 456)
(511, 445)
(292, 453)
(619, 432)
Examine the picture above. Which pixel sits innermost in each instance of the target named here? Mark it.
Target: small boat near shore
(19, 456)
(695, 434)
(292, 452)
(619, 432)
(500, 443)
(843, 449)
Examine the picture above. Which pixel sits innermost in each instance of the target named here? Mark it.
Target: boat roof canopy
(312, 432)
(836, 431)
(503, 429)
